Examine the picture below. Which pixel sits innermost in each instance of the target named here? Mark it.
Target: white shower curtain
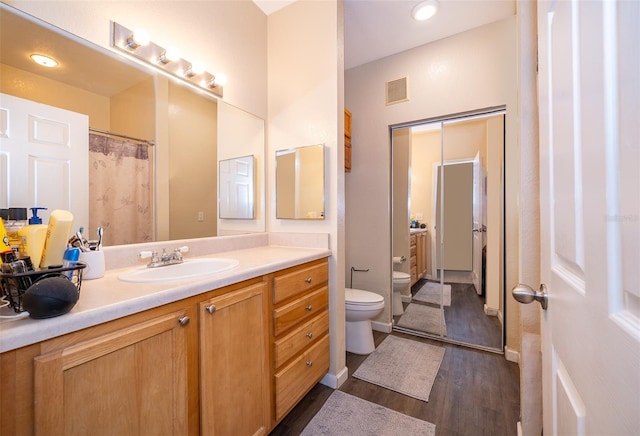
(120, 190)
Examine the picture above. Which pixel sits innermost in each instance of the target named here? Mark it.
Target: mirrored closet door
(448, 228)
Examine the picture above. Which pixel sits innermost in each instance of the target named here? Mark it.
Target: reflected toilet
(361, 307)
(401, 284)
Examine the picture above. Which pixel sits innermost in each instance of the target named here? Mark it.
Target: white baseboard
(381, 326)
(511, 355)
(334, 381)
(500, 318)
(490, 311)
(406, 298)
(519, 428)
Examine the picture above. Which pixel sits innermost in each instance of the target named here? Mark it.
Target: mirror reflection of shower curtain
(120, 190)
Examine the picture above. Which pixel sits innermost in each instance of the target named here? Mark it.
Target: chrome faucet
(165, 258)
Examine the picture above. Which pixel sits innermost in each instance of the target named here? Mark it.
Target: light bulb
(43, 60)
(171, 54)
(425, 10)
(138, 38)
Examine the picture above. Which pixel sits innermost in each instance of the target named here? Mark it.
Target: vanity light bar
(165, 60)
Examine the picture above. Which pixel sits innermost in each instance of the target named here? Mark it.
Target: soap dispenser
(32, 237)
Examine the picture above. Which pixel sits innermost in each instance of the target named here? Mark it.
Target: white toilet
(401, 283)
(361, 308)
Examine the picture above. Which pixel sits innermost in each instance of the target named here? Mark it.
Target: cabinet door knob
(184, 320)
(308, 280)
(211, 308)
(309, 363)
(309, 307)
(309, 335)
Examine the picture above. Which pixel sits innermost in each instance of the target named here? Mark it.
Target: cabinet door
(131, 381)
(233, 363)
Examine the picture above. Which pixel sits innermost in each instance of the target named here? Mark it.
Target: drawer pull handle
(308, 280)
(211, 308)
(184, 320)
(309, 363)
(309, 335)
(309, 308)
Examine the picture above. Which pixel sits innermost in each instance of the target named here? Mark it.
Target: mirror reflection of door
(447, 219)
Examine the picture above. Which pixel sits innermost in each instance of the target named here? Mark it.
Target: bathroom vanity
(225, 354)
(418, 248)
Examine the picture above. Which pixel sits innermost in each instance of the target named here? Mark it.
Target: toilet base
(398, 308)
(359, 337)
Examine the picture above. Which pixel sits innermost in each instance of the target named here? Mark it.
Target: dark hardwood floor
(475, 393)
(465, 318)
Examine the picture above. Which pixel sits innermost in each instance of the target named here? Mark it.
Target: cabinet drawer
(299, 281)
(290, 345)
(295, 380)
(299, 310)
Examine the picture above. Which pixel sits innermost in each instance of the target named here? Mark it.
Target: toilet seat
(401, 277)
(358, 297)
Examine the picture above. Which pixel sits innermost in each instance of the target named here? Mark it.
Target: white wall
(469, 71)
(306, 108)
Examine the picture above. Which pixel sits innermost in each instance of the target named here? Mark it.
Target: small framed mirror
(236, 186)
(300, 183)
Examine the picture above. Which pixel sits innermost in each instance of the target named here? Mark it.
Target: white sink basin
(189, 269)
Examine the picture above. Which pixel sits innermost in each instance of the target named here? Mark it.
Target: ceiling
(378, 28)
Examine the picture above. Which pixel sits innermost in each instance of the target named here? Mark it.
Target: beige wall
(133, 111)
(306, 108)
(193, 183)
(23, 84)
(472, 70)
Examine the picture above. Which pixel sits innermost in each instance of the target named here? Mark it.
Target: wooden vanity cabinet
(127, 376)
(413, 258)
(234, 371)
(418, 253)
(299, 333)
(229, 361)
(129, 381)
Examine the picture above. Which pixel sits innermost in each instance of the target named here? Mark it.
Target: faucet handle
(145, 254)
(183, 249)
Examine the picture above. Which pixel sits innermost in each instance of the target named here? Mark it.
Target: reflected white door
(589, 87)
(236, 188)
(478, 223)
(44, 158)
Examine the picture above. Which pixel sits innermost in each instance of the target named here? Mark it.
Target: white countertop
(109, 298)
(419, 230)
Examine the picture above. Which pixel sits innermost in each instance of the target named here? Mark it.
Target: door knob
(525, 294)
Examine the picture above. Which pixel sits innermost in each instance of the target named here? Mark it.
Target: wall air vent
(397, 90)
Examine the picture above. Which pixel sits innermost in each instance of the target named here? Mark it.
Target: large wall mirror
(300, 183)
(154, 144)
(448, 223)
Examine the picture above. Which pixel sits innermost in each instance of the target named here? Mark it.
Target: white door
(44, 158)
(236, 187)
(478, 223)
(589, 88)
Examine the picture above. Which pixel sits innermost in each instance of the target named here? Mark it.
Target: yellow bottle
(32, 237)
(58, 232)
(5, 245)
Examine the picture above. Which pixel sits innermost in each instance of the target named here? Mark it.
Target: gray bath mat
(403, 365)
(430, 293)
(344, 414)
(424, 319)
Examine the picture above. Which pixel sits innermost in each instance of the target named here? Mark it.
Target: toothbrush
(100, 232)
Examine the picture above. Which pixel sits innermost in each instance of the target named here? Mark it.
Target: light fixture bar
(164, 60)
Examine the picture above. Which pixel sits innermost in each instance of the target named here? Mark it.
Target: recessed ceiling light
(425, 10)
(45, 61)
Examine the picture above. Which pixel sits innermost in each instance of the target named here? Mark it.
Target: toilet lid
(399, 275)
(358, 296)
